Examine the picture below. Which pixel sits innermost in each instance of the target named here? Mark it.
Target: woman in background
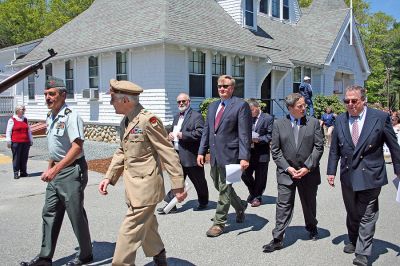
(328, 121)
(19, 139)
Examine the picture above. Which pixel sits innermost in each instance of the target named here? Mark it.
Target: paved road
(21, 203)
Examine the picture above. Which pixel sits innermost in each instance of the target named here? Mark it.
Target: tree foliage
(27, 20)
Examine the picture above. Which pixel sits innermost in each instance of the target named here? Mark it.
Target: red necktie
(219, 115)
(354, 131)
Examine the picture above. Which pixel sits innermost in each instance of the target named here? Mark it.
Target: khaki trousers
(140, 228)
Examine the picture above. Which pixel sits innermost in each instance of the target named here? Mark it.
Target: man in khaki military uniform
(144, 145)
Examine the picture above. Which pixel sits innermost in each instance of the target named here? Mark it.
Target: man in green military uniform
(66, 175)
(144, 144)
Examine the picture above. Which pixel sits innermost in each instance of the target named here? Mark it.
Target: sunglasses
(352, 101)
(223, 86)
(182, 101)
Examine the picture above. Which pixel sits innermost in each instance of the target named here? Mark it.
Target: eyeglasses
(352, 101)
(182, 101)
(224, 86)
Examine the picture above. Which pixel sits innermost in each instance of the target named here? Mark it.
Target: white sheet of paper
(254, 135)
(233, 173)
(396, 182)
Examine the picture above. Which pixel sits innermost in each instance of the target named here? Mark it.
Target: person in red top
(19, 139)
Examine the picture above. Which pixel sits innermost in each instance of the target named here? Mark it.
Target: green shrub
(332, 101)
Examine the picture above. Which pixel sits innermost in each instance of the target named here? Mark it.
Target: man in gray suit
(357, 140)
(297, 147)
(227, 133)
(186, 135)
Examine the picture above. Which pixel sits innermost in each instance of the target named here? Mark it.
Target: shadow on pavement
(33, 174)
(253, 222)
(268, 200)
(379, 247)
(174, 262)
(102, 254)
(191, 204)
(294, 233)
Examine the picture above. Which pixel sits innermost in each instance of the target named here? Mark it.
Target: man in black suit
(297, 147)
(357, 140)
(259, 158)
(186, 135)
(227, 133)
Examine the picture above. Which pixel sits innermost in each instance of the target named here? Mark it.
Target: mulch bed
(101, 165)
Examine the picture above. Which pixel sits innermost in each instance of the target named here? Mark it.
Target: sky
(390, 7)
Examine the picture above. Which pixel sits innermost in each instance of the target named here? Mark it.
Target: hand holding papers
(174, 201)
(233, 173)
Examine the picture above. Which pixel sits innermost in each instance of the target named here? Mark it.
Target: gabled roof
(202, 24)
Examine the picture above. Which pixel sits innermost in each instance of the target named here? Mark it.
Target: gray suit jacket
(192, 129)
(260, 152)
(363, 167)
(230, 141)
(307, 154)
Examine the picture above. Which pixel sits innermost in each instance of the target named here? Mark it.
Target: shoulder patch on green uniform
(67, 111)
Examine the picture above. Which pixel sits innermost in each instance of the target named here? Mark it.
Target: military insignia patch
(60, 125)
(67, 111)
(153, 121)
(136, 130)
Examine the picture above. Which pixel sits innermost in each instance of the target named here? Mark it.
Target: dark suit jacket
(230, 142)
(363, 167)
(260, 152)
(192, 129)
(307, 154)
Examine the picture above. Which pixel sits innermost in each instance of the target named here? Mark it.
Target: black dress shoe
(78, 261)
(360, 260)
(161, 210)
(16, 176)
(160, 259)
(314, 234)
(37, 261)
(201, 207)
(350, 248)
(23, 175)
(275, 244)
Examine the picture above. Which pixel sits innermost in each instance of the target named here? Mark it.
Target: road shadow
(268, 200)
(102, 254)
(34, 174)
(174, 262)
(379, 247)
(192, 204)
(294, 233)
(253, 222)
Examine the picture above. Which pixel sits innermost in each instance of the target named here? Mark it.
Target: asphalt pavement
(183, 233)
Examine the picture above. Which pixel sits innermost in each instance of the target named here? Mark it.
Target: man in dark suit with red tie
(227, 133)
(186, 135)
(259, 158)
(357, 140)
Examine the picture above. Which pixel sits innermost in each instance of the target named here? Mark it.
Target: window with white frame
(307, 72)
(122, 62)
(93, 72)
(298, 75)
(69, 78)
(276, 8)
(218, 69)
(285, 9)
(48, 70)
(249, 13)
(31, 87)
(197, 64)
(238, 75)
(264, 6)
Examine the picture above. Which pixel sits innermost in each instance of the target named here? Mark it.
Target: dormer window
(264, 6)
(249, 14)
(276, 8)
(285, 9)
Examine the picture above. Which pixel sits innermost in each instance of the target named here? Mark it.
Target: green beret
(53, 82)
(124, 86)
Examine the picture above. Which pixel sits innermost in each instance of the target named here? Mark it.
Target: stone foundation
(102, 133)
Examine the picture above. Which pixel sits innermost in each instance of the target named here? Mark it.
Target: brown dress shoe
(215, 231)
(160, 259)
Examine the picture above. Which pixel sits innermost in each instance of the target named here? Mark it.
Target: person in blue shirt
(306, 91)
(328, 122)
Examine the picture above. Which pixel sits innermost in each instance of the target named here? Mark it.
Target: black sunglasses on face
(183, 101)
(353, 101)
(224, 86)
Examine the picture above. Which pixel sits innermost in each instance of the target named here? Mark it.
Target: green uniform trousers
(227, 196)
(65, 193)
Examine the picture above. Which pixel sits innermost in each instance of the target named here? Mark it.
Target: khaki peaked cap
(124, 86)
